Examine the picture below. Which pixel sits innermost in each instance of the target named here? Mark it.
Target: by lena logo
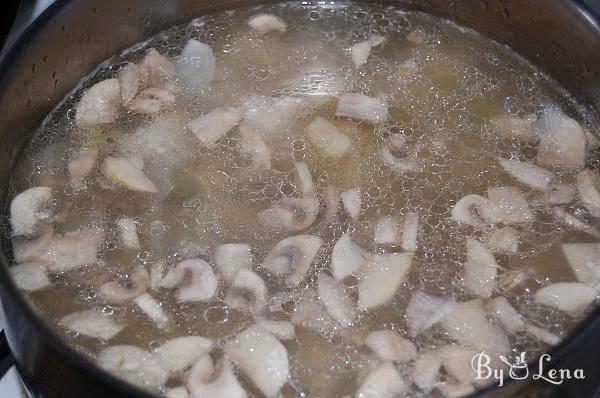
(519, 370)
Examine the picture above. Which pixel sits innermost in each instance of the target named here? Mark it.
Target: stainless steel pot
(73, 36)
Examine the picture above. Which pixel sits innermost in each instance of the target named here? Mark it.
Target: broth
(445, 89)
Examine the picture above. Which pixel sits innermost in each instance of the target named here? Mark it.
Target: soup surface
(319, 201)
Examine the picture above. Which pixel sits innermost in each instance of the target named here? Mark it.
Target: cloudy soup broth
(316, 201)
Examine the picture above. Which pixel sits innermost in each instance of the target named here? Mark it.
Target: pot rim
(12, 57)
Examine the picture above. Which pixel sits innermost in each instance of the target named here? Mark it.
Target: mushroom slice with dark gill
(29, 209)
(397, 153)
(215, 381)
(126, 287)
(247, 292)
(194, 280)
(292, 257)
(470, 209)
(262, 358)
(291, 214)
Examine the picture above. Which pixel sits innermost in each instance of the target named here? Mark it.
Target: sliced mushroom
(562, 140)
(509, 126)
(196, 67)
(153, 309)
(231, 257)
(91, 323)
(130, 80)
(573, 222)
(305, 180)
(100, 104)
(182, 352)
(128, 231)
(157, 272)
(468, 324)
(310, 313)
(383, 274)
(267, 23)
(425, 310)
(587, 182)
(584, 259)
(32, 247)
(480, 269)
(352, 201)
(362, 108)
(507, 205)
(338, 303)
(346, 257)
(527, 173)
(559, 194)
(283, 330)
(399, 154)
(152, 101)
(29, 209)
(389, 345)
(126, 287)
(542, 335)
(503, 240)
(386, 231)
(253, 145)
(133, 364)
(505, 315)
(382, 382)
(410, 231)
(30, 276)
(247, 292)
(81, 163)
(73, 249)
(569, 297)
(360, 51)
(292, 257)
(128, 172)
(194, 280)
(206, 380)
(214, 125)
(470, 209)
(291, 214)
(261, 357)
(156, 70)
(328, 139)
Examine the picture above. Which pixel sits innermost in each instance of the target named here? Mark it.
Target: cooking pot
(73, 36)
